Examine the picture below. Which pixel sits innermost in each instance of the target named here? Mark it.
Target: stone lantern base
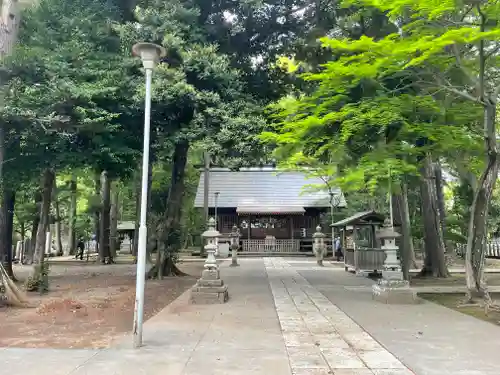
(210, 289)
(392, 289)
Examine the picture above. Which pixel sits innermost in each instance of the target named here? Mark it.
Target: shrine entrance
(262, 227)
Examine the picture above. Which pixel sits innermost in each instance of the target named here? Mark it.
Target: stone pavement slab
(429, 338)
(319, 337)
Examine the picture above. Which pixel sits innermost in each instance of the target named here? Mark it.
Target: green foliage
(67, 98)
(378, 105)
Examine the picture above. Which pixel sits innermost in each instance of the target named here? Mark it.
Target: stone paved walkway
(319, 337)
(285, 317)
(428, 338)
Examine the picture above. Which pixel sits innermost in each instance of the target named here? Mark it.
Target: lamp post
(216, 194)
(150, 55)
(334, 202)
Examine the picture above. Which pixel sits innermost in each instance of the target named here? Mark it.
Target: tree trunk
(97, 214)
(47, 185)
(3, 216)
(71, 248)
(6, 212)
(170, 234)
(8, 39)
(8, 205)
(58, 232)
(402, 216)
(4, 250)
(435, 261)
(476, 236)
(113, 238)
(104, 238)
(438, 175)
(30, 249)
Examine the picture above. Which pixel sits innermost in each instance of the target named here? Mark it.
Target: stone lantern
(210, 288)
(235, 244)
(387, 235)
(212, 238)
(319, 247)
(391, 288)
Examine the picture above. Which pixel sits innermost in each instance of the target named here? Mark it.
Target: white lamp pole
(332, 221)
(150, 54)
(216, 194)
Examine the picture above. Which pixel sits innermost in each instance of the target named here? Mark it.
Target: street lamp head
(149, 53)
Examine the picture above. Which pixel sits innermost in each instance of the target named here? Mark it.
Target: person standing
(338, 249)
(81, 248)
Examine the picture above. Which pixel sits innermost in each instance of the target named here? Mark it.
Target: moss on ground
(492, 279)
(454, 301)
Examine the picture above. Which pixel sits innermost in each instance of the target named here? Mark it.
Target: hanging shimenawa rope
(10, 293)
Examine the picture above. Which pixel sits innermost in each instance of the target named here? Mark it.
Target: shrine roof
(261, 187)
(364, 217)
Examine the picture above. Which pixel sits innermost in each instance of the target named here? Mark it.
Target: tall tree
(444, 47)
(197, 97)
(8, 37)
(73, 188)
(69, 95)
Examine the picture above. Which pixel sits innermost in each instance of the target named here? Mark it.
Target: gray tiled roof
(262, 188)
(359, 216)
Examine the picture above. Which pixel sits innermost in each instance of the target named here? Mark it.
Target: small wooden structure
(362, 252)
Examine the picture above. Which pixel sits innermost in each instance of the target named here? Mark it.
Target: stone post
(210, 288)
(235, 244)
(48, 244)
(392, 288)
(18, 254)
(319, 247)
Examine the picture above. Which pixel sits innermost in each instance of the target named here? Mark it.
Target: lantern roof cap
(318, 233)
(235, 231)
(211, 232)
(387, 231)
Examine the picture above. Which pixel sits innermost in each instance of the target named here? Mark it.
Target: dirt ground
(455, 301)
(87, 306)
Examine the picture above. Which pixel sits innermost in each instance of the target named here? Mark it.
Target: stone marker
(19, 249)
(210, 288)
(392, 289)
(235, 244)
(48, 243)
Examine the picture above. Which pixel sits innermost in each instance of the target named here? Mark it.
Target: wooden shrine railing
(271, 246)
